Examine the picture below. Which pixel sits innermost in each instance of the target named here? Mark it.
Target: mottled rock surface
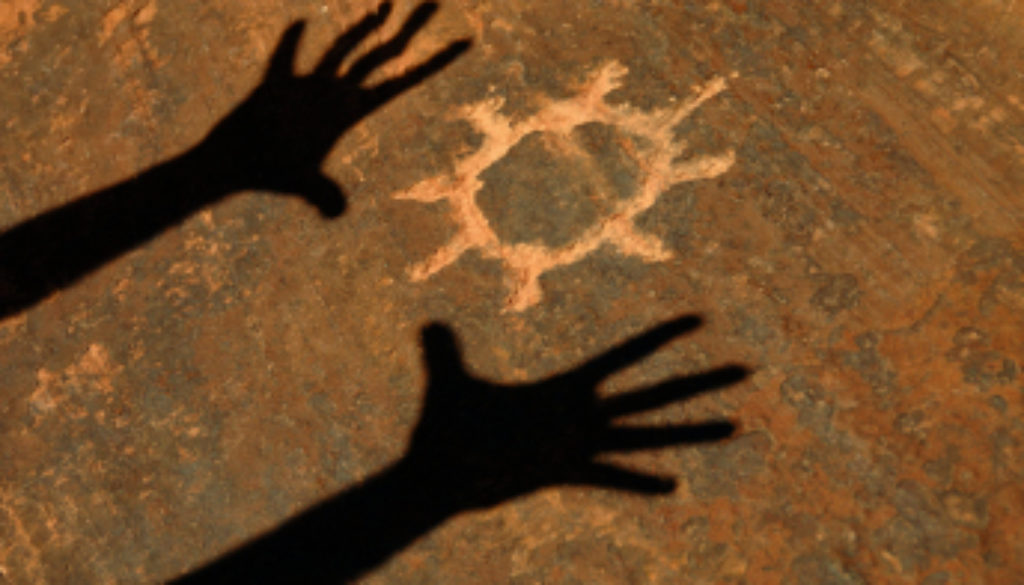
(844, 208)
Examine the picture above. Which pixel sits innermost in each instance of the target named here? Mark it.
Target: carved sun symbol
(657, 157)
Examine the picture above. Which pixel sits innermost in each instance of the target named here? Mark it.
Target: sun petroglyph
(657, 158)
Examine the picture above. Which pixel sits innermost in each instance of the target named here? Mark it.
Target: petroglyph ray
(656, 158)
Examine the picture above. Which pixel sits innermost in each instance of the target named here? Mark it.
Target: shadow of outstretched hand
(279, 136)
(477, 444)
(275, 140)
(496, 441)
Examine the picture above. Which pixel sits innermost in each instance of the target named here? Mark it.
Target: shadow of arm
(341, 538)
(275, 140)
(55, 249)
(479, 444)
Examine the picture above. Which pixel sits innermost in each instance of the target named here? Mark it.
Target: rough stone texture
(863, 253)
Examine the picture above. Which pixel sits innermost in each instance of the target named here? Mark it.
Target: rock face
(837, 188)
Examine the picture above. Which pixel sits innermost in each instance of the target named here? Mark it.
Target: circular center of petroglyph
(550, 188)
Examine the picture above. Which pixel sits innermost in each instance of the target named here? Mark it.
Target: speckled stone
(860, 247)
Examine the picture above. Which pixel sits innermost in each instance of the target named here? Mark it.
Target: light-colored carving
(657, 157)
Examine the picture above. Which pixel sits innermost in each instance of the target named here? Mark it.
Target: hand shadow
(478, 444)
(275, 140)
